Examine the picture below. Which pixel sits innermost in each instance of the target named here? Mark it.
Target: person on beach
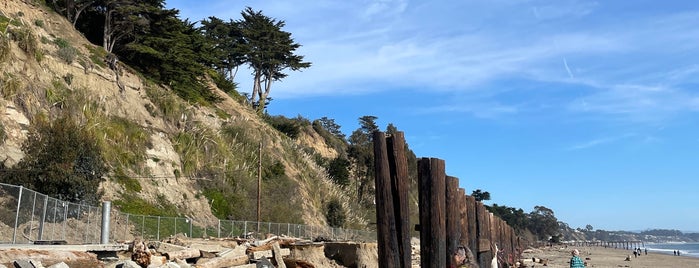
(463, 258)
(576, 261)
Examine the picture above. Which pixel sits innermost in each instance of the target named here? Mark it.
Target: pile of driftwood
(235, 252)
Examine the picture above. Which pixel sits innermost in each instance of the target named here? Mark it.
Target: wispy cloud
(622, 67)
(600, 141)
(565, 64)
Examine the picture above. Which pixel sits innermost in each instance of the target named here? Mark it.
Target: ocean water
(686, 249)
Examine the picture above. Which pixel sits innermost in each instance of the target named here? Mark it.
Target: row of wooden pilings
(449, 218)
(610, 244)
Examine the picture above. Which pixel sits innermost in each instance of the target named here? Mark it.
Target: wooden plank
(278, 255)
(453, 229)
(385, 217)
(401, 203)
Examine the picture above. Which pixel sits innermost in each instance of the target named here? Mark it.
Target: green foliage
(167, 51)
(130, 184)
(480, 195)
(124, 142)
(220, 205)
(338, 169)
(61, 43)
(4, 23)
(274, 171)
(57, 95)
(131, 203)
(269, 51)
(171, 107)
(330, 132)
(226, 48)
(61, 160)
(516, 218)
(67, 54)
(224, 84)
(290, 127)
(39, 23)
(361, 154)
(542, 222)
(65, 50)
(335, 213)
(97, 55)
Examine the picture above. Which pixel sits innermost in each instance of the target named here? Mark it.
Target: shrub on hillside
(335, 214)
(290, 127)
(61, 160)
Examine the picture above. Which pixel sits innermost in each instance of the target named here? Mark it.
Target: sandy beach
(606, 257)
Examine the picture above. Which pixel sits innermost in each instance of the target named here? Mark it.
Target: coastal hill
(162, 154)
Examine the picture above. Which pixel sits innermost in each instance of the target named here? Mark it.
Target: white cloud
(600, 141)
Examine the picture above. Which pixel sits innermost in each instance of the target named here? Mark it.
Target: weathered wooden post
(400, 181)
(485, 255)
(472, 219)
(385, 220)
(463, 218)
(432, 179)
(453, 229)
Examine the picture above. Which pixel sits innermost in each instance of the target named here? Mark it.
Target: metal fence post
(106, 211)
(19, 201)
(219, 228)
(31, 221)
(53, 227)
(157, 236)
(89, 208)
(43, 218)
(65, 219)
(190, 228)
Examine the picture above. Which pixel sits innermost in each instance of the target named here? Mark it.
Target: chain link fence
(27, 217)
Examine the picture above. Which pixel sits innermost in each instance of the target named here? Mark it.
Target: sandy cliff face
(92, 90)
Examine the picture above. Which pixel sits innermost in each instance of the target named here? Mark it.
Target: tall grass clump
(9, 85)
(4, 47)
(25, 40)
(168, 105)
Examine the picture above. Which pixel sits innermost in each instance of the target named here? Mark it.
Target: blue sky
(588, 108)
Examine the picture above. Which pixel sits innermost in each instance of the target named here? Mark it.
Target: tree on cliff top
(268, 51)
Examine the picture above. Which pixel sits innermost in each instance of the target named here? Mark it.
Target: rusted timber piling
(448, 217)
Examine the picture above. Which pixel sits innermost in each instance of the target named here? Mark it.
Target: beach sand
(606, 257)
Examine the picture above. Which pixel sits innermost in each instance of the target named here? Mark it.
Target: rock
(59, 265)
(128, 264)
(141, 255)
(157, 261)
(23, 264)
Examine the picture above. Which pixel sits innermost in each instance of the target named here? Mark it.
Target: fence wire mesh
(27, 217)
